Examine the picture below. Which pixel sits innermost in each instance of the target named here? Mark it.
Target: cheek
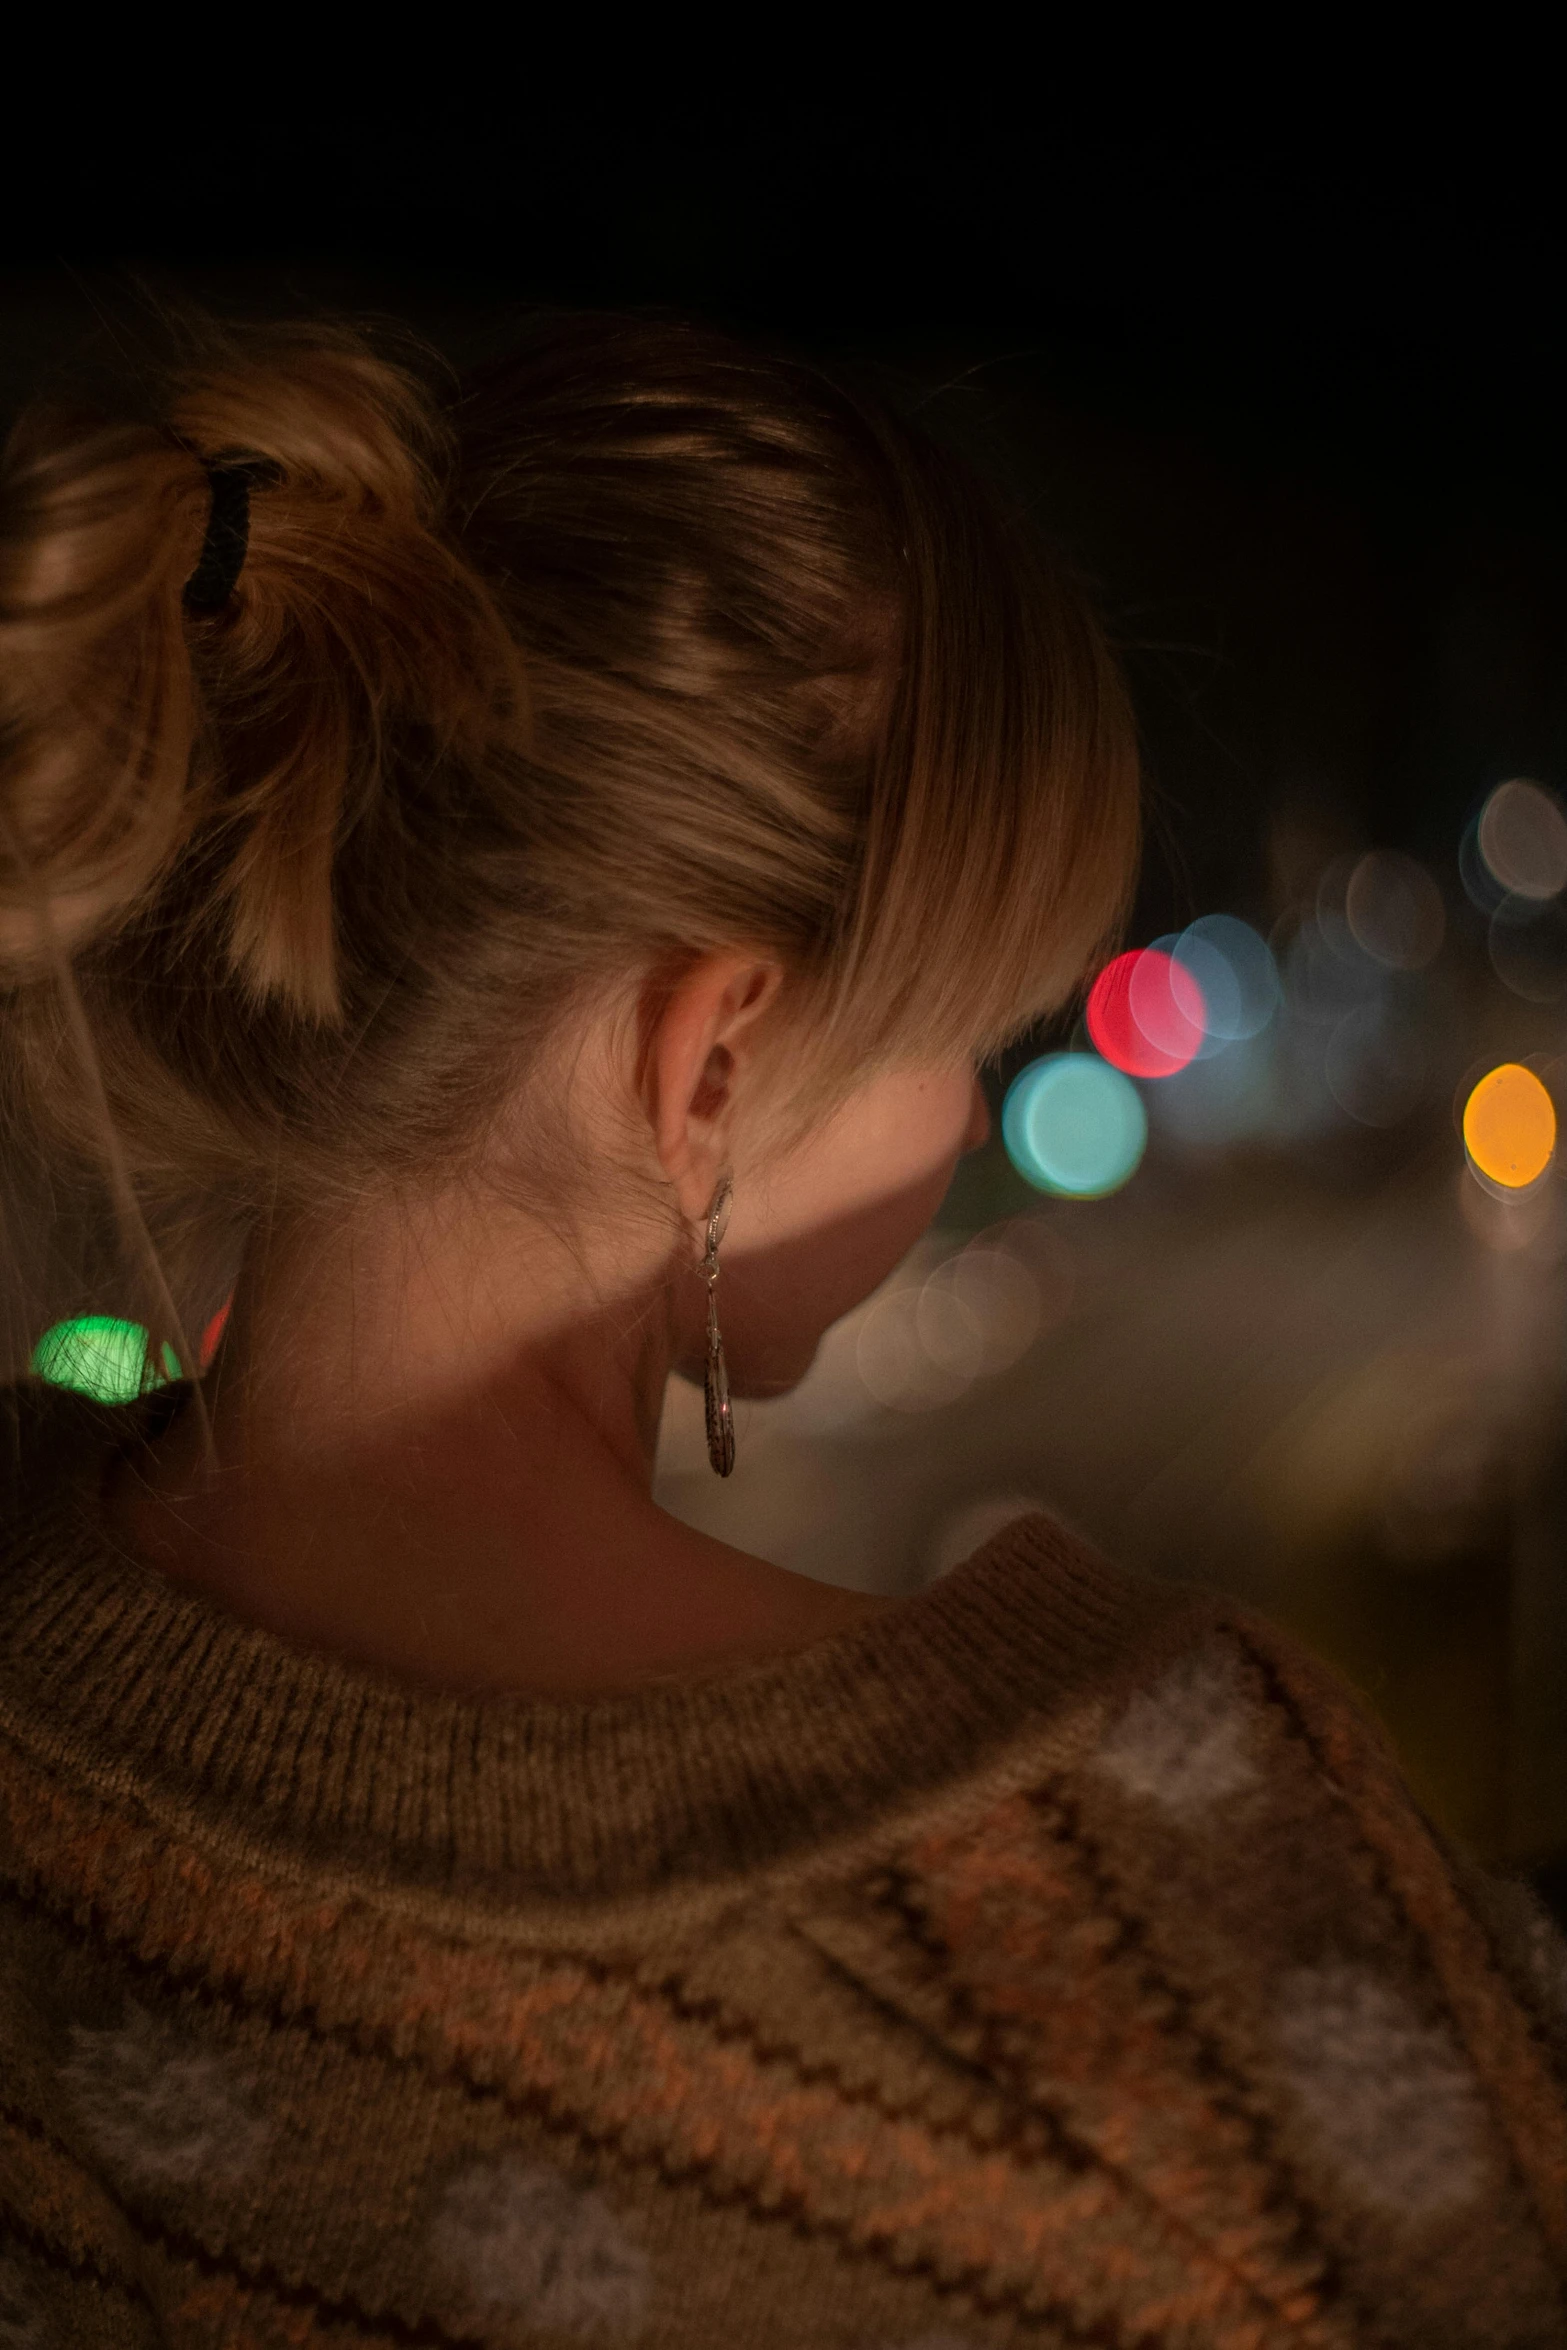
(856, 1214)
(891, 1148)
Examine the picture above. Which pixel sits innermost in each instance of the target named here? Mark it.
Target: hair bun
(347, 612)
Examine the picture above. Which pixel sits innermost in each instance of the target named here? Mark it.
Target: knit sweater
(1058, 1958)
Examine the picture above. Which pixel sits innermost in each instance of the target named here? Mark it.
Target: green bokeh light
(98, 1356)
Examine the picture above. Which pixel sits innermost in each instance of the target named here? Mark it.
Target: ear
(697, 1040)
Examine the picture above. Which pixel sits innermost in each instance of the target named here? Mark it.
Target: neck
(433, 1446)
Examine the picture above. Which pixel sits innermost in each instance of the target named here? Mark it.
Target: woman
(546, 869)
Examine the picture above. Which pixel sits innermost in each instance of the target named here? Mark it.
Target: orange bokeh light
(1510, 1126)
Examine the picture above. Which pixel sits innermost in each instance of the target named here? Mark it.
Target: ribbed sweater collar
(109, 1672)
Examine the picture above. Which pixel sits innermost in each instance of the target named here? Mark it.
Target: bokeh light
(1323, 981)
(211, 1337)
(1074, 1126)
(1328, 911)
(1481, 887)
(1527, 942)
(1146, 1014)
(894, 1361)
(1510, 1127)
(928, 1334)
(1394, 910)
(979, 1312)
(1036, 1241)
(99, 1356)
(1522, 836)
(1235, 970)
(941, 1321)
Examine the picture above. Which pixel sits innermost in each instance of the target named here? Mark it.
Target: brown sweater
(1059, 1960)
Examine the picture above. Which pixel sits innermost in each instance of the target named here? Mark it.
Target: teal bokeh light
(100, 1357)
(1074, 1126)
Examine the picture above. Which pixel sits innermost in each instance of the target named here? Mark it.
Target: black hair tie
(222, 558)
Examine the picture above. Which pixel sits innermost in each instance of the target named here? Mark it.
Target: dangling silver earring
(715, 1386)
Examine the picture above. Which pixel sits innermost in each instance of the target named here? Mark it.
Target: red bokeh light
(213, 1332)
(1146, 1014)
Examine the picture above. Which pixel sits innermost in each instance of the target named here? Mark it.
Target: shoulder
(1220, 1949)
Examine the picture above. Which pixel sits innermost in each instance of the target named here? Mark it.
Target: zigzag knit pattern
(1058, 1960)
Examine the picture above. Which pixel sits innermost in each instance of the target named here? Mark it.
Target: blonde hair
(636, 645)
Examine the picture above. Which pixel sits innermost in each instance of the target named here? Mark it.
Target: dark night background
(1293, 400)
(1289, 394)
